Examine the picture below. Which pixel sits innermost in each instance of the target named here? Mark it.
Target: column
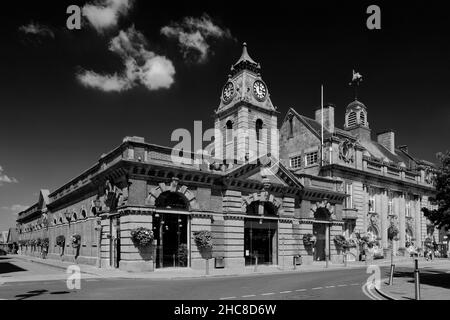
(402, 219)
(384, 218)
(418, 231)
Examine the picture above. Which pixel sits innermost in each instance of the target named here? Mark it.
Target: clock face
(259, 90)
(228, 92)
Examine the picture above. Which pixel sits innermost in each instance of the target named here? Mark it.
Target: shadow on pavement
(7, 267)
(433, 278)
(35, 293)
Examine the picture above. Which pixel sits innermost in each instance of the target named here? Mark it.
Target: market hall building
(257, 208)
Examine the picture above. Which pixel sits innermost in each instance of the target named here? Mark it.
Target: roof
(374, 148)
(245, 56)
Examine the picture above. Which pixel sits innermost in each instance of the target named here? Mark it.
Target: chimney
(404, 148)
(328, 116)
(387, 140)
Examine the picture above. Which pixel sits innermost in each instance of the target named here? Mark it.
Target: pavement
(434, 279)
(176, 273)
(23, 277)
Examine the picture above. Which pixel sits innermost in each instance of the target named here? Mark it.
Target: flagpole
(321, 136)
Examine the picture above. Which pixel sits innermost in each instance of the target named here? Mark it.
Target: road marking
(267, 294)
(227, 298)
(329, 287)
(317, 288)
(342, 285)
(282, 292)
(91, 280)
(300, 290)
(355, 284)
(249, 295)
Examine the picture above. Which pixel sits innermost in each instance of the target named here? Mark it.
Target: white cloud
(103, 82)
(141, 66)
(37, 29)
(193, 35)
(104, 14)
(16, 208)
(5, 179)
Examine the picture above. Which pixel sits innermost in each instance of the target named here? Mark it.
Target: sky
(145, 68)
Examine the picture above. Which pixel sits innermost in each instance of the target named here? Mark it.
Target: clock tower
(246, 120)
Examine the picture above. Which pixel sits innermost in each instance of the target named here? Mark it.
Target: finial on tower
(356, 80)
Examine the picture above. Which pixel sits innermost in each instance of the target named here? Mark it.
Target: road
(321, 285)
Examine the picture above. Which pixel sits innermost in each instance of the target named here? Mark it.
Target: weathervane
(356, 80)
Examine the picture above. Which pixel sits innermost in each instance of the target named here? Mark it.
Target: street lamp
(98, 208)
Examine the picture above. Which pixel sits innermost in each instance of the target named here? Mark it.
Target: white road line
(317, 288)
(267, 294)
(281, 292)
(300, 290)
(355, 284)
(329, 287)
(342, 285)
(91, 280)
(249, 295)
(227, 298)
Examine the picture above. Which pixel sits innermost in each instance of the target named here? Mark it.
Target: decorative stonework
(263, 196)
(323, 205)
(347, 151)
(173, 186)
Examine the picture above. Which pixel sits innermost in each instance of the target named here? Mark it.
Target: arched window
(171, 200)
(351, 119)
(229, 131)
(258, 128)
(83, 214)
(268, 207)
(362, 118)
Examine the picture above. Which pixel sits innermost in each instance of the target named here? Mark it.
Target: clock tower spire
(246, 117)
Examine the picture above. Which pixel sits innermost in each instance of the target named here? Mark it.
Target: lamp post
(98, 208)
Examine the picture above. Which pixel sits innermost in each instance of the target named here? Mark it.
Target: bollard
(416, 279)
(326, 261)
(345, 260)
(256, 263)
(207, 266)
(295, 263)
(391, 276)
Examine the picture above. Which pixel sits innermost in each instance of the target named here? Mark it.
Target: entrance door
(171, 235)
(260, 240)
(319, 230)
(115, 242)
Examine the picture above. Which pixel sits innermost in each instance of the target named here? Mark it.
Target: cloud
(37, 30)
(142, 67)
(104, 14)
(5, 179)
(193, 35)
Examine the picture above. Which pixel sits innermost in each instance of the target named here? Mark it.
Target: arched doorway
(171, 229)
(321, 230)
(260, 233)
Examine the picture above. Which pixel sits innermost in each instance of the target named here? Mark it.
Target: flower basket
(309, 240)
(142, 237)
(393, 233)
(45, 243)
(341, 242)
(38, 242)
(60, 241)
(76, 241)
(203, 240)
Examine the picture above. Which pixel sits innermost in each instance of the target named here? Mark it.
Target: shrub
(142, 237)
(183, 254)
(60, 240)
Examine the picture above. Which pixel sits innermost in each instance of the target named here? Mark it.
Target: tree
(441, 216)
